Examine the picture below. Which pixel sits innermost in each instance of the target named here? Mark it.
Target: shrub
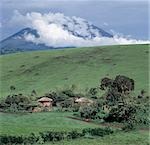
(101, 115)
(128, 126)
(68, 92)
(74, 134)
(142, 115)
(93, 91)
(52, 136)
(4, 139)
(16, 103)
(121, 113)
(97, 131)
(12, 88)
(68, 103)
(88, 112)
(31, 139)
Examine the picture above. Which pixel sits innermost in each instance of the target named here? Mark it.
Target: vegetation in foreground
(116, 105)
(25, 124)
(120, 138)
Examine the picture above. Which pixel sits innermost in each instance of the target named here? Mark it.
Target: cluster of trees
(119, 104)
(52, 136)
(16, 103)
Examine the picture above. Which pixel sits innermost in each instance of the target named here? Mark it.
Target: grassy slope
(37, 122)
(14, 124)
(84, 67)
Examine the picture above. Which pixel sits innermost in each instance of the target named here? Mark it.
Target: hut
(84, 101)
(45, 102)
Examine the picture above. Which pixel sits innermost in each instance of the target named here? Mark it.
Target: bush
(88, 112)
(93, 91)
(31, 139)
(52, 136)
(142, 115)
(74, 134)
(97, 131)
(68, 103)
(4, 139)
(101, 115)
(15, 103)
(128, 126)
(69, 93)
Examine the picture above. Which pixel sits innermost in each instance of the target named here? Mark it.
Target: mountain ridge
(59, 34)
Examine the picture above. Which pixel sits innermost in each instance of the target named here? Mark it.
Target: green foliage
(74, 134)
(88, 112)
(15, 103)
(67, 104)
(69, 93)
(98, 131)
(101, 115)
(57, 97)
(52, 136)
(142, 115)
(93, 91)
(123, 106)
(128, 126)
(4, 139)
(121, 113)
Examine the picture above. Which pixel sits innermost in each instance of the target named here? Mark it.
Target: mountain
(30, 39)
(17, 42)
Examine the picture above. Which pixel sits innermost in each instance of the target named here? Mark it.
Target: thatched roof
(83, 100)
(45, 99)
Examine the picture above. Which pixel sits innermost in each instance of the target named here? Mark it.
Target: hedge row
(51, 136)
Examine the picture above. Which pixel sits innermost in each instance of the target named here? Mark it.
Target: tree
(118, 97)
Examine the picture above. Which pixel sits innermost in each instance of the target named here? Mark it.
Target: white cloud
(105, 24)
(58, 30)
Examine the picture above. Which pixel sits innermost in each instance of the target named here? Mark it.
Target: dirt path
(115, 126)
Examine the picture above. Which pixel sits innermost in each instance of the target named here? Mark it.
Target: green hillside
(24, 124)
(83, 67)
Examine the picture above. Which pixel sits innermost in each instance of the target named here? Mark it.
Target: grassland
(24, 124)
(17, 124)
(84, 67)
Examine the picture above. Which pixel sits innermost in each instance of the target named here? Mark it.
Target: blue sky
(124, 16)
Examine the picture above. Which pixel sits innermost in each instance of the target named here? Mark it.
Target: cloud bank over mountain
(58, 30)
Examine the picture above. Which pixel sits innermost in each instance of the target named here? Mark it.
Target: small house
(84, 101)
(45, 102)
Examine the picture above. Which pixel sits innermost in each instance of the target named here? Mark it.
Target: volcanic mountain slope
(59, 31)
(18, 43)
